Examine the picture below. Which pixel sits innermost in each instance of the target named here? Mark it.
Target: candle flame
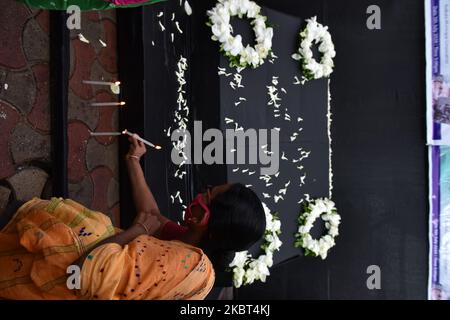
(158, 147)
(117, 83)
(122, 103)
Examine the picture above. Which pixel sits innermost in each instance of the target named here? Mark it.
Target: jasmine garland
(231, 46)
(313, 209)
(313, 34)
(247, 269)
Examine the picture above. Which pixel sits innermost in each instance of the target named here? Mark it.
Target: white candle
(101, 83)
(94, 134)
(140, 139)
(107, 104)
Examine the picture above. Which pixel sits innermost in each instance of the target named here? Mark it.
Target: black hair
(237, 221)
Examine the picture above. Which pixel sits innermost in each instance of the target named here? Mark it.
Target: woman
(225, 219)
(45, 237)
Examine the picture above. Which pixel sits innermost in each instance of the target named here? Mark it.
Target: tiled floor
(25, 150)
(24, 118)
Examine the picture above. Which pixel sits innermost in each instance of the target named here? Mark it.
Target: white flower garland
(181, 123)
(245, 268)
(324, 208)
(231, 46)
(315, 33)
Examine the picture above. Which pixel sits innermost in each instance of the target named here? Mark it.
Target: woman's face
(197, 212)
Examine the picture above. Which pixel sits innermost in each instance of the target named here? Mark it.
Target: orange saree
(45, 237)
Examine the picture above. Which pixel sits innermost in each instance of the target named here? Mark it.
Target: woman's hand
(137, 148)
(148, 222)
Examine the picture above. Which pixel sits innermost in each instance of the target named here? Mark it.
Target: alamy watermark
(374, 19)
(249, 146)
(74, 277)
(374, 280)
(74, 20)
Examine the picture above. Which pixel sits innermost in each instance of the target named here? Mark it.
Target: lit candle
(101, 83)
(107, 104)
(114, 86)
(142, 140)
(95, 134)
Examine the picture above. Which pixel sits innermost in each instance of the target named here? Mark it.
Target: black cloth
(379, 158)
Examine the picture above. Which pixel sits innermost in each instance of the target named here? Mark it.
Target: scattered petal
(187, 8)
(82, 38)
(162, 26)
(177, 24)
(302, 180)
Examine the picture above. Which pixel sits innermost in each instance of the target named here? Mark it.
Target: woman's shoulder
(172, 244)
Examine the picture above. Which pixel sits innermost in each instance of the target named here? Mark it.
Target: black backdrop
(379, 162)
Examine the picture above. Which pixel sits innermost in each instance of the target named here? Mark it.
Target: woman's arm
(122, 239)
(144, 224)
(142, 195)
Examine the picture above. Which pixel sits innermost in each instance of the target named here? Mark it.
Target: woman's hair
(237, 221)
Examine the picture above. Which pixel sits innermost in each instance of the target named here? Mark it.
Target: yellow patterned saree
(46, 236)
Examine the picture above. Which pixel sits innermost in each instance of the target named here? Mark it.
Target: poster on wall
(439, 288)
(437, 21)
(438, 71)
